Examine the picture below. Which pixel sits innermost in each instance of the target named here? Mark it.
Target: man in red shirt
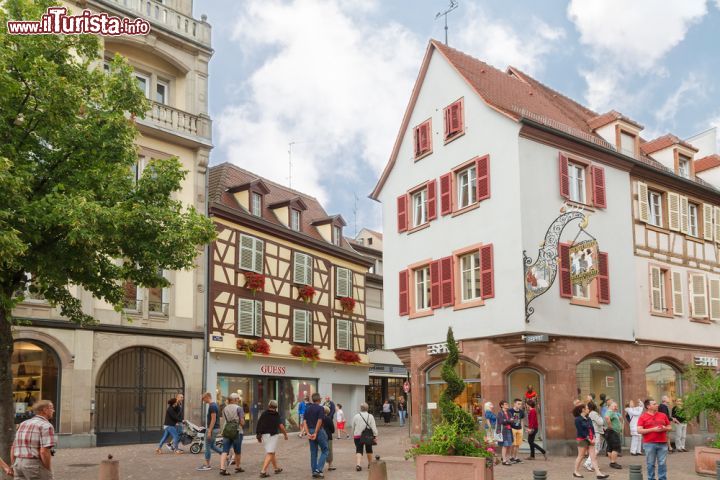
(653, 426)
(34, 440)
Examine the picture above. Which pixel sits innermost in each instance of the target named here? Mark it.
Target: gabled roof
(609, 117)
(706, 163)
(663, 142)
(224, 177)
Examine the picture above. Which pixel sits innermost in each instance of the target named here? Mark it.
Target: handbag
(231, 429)
(497, 436)
(367, 436)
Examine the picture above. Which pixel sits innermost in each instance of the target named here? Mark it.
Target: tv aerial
(453, 5)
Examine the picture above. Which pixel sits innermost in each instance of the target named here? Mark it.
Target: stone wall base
(80, 440)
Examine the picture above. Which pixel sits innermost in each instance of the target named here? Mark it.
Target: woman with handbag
(268, 427)
(585, 438)
(232, 432)
(504, 431)
(365, 434)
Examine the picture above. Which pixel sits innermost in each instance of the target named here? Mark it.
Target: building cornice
(121, 329)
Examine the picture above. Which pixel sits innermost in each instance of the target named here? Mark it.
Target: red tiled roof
(609, 117)
(663, 142)
(226, 175)
(706, 163)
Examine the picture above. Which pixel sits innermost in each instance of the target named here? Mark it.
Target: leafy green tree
(704, 397)
(70, 212)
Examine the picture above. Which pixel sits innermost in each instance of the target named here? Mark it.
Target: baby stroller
(194, 435)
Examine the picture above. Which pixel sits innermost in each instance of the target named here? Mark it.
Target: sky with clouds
(333, 77)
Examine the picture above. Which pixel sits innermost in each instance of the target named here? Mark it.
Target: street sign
(537, 338)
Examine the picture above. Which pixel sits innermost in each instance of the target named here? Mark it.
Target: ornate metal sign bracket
(540, 275)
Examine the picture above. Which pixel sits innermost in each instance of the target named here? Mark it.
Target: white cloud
(691, 88)
(629, 38)
(499, 44)
(331, 81)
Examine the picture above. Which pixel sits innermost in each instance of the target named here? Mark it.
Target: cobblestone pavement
(140, 462)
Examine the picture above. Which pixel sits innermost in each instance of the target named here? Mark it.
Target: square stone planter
(705, 458)
(432, 467)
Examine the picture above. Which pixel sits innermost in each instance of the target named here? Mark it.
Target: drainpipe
(207, 287)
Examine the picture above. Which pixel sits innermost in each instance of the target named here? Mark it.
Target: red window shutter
(416, 137)
(564, 177)
(455, 118)
(564, 263)
(447, 122)
(603, 278)
(483, 177)
(460, 116)
(435, 299)
(447, 276)
(424, 137)
(446, 194)
(487, 273)
(598, 179)
(404, 293)
(402, 216)
(431, 196)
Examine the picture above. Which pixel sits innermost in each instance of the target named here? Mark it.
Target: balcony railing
(169, 18)
(158, 308)
(178, 120)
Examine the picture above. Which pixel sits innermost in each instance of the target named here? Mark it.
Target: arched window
(663, 379)
(599, 376)
(469, 372)
(36, 376)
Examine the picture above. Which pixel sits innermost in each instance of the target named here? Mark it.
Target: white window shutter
(299, 269)
(714, 299)
(656, 293)
(673, 211)
(698, 294)
(245, 316)
(678, 302)
(300, 327)
(258, 255)
(308, 270)
(717, 224)
(684, 218)
(643, 207)
(258, 318)
(707, 222)
(246, 252)
(343, 335)
(343, 286)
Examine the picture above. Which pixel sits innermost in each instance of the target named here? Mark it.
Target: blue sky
(334, 76)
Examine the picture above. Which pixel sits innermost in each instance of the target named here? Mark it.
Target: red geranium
(348, 304)
(306, 353)
(253, 346)
(254, 281)
(347, 356)
(306, 293)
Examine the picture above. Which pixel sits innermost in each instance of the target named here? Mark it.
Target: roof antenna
(355, 210)
(453, 6)
(290, 163)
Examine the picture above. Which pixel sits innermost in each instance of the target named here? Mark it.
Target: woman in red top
(533, 426)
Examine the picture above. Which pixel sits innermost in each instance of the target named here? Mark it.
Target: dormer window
(684, 164)
(256, 204)
(295, 219)
(337, 235)
(628, 144)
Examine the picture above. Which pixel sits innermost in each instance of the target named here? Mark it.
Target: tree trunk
(7, 406)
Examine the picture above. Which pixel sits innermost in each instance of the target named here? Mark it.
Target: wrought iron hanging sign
(540, 274)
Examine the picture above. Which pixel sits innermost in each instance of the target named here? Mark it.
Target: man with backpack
(365, 434)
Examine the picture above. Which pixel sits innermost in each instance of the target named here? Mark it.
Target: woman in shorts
(585, 438)
(268, 427)
(360, 422)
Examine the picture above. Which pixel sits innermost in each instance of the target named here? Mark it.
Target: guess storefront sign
(272, 370)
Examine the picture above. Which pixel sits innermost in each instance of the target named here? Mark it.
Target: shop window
(598, 376)
(36, 375)
(663, 379)
(469, 372)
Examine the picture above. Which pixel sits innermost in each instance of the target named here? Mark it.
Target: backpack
(367, 436)
(231, 429)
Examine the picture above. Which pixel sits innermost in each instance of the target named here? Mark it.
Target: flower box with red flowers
(254, 281)
(347, 304)
(347, 356)
(306, 293)
(306, 353)
(250, 347)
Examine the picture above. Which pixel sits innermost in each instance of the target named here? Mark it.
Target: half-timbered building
(287, 298)
(491, 171)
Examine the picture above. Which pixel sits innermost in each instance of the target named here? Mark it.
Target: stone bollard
(110, 469)
(539, 475)
(636, 472)
(377, 470)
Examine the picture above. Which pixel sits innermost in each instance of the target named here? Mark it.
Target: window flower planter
(251, 347)
(254, 281)
(306, 353)
(306, 293)
(347, 356)
(347, 304)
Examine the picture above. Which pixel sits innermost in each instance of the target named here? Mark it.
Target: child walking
(340, 419)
